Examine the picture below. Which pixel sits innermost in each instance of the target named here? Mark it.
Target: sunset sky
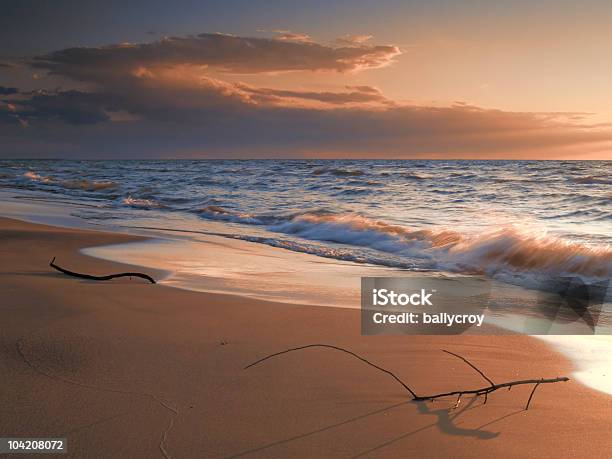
(259, 79)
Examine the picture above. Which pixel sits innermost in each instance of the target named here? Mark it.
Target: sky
(318, 79)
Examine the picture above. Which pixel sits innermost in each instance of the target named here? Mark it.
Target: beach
(125, 368)
(305, 230)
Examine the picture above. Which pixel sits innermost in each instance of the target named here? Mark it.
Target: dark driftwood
(492, 387)
(329, 346)
(99, 278)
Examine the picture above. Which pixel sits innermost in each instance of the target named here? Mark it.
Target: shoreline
(340, 288)
(91, 355)
(589, 362)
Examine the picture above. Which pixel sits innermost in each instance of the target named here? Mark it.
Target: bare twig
(531, 395)
(492, 387)
(489, 389)
(470, 364)
(99, 278)
(329, 346)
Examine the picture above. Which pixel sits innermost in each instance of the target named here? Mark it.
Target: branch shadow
(446, 421)
(317, 431)
(31, 273)
(95, 423)
(446, 424)
(56, 275)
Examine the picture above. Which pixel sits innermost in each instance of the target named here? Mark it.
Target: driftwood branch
(484, 391)
(531, 395)
(329, 346)
(470, 364)
(99, 278)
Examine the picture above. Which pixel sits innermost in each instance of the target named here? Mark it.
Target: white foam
(591, 356)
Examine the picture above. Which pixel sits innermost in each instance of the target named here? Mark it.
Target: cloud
(288, 35)
(72, 107)
(4, 91)
(224, 53)
(173, 77)
(352, 40)
(228, 120)
(156, 97)
(161, 99)
(354, 95)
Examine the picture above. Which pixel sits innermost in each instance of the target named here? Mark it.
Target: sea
(519, 221)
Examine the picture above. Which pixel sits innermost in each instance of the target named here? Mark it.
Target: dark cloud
(4, 91)
(72, 107)
(226, 53)
(224, 120)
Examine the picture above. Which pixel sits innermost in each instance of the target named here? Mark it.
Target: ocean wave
(415, 176)
(591, 180)
(514, 250)
(88, 185)
(363, 183)
(207, 181)
(338, 172)
(220, 213)
(507, 249)
(328, 252)
(354, 192)
(37, 177)
(590, 214)
(361, 231)
(462, 175)
(217, 212)
(81, 184)
(141, 203)
(446, 192)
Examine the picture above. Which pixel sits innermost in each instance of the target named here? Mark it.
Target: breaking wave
(503, 249)
(80, 184)
(88, 185)
(492, 252)
(220, 213)
(510, 249)
(361, 231)
(36, 177)
(141, 203)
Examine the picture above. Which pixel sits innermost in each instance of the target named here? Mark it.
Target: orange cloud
(225, 53)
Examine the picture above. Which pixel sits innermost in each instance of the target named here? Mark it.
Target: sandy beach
(129, 369)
